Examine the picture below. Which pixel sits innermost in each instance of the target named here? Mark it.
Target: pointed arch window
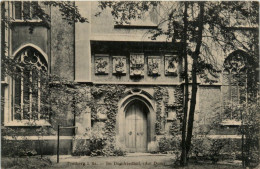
(29, 85)
(238, 80)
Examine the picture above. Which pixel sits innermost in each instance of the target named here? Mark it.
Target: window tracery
(28, 85)
(236, 83)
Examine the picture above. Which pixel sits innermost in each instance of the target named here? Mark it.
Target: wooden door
(136, 128)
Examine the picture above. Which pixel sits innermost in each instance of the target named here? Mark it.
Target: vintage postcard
(130, 84)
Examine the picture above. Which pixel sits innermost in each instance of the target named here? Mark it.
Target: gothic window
(29, 85)
(237, 80)
(24, 10)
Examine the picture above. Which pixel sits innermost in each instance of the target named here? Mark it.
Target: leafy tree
(201, 27)
(56, 92)
(69, 12)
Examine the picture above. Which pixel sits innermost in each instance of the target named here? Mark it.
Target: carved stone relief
(137, 65)
(171, 65)
(119, 65)
(101, 64)
(154, 64)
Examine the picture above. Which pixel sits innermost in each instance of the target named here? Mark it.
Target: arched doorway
(136, 108)
(136, 126)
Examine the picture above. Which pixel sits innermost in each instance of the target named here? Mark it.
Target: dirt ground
(128, 162)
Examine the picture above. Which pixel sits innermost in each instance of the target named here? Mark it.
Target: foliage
(178, 95)
(250, 129)
(119, 152)
(97, 143)
(214, 18)
(20, 152)
(81, 148)
(160, 95)
(97, 97)
(202, 27)
(170, 145)
(68, 10)
(109, 95)
(231, 112)
(59, 98)
(124, 12)
(246, 112)
(175, 127)
(26, 163)
(206, 148)
(63, 98)
(18, 149)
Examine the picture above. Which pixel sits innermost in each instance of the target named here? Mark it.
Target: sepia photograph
(130, 84)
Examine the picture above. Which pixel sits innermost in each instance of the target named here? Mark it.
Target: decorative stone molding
(32, 57)
(137, 65)
(101, 64)
(235, 63)
(119, 65)
(136, 91)
(143, 97)
(154, 64)
(33, 46)
(171, 65)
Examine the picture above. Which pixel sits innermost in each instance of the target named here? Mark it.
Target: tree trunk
(195, 55)
(186, 85)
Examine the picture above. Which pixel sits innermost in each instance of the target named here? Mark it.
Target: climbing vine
(178, 94)
(109, 95)
(161, 96)
(178, 104)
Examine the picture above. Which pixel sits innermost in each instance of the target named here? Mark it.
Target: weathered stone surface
(62, 46)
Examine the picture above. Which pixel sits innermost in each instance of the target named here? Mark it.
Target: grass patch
(25, 163)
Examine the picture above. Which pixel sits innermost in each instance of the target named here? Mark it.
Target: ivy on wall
(178, 94)
(109, 95)
(106, 97)
(161, 96)
(178, 104)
